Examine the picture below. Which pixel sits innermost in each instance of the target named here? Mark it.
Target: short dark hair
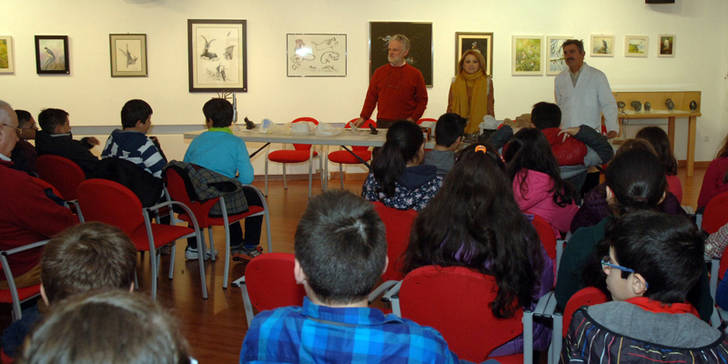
(50, 118)
(86, 257)
(659, 140)
(341, 246)
(546, 115)
(449, 127)
(133, 111)
(220, 111)
(667, 250)
(111, 327)
(23, 117)
(578, 43)
(637, 179)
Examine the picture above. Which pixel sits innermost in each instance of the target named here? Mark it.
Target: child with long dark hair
(537, 185)
(715, 180)
(398, 178)
(474, 222)
(659, 140)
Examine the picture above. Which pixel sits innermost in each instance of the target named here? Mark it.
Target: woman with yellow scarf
(471, 94)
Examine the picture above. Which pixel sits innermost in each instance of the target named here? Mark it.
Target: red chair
(114, 204)
(269, 283)
(716, 213)
(300, 153)
(588, 296)
(398, 224)
(429, 124)
(456, 302)
(62, 173)
(345, 157)
(178, 191)
(547, 235)
(13, 295)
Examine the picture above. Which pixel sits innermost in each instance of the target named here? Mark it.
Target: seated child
(341, 252)
(80, 259)
(55, 138)
(24, 154)
(107, 327)
(132, 143)
(449, 132)
(219, 150)
(654, 260)
(660, 142)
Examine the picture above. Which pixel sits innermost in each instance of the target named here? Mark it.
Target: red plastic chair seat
(343, 156)
(23, 293)
(62, 173)
(163, 234)
(270, 282)
(587, 296)
(547, 235)
(231, 218)
(290, 156)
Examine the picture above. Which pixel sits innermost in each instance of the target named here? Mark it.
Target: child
(715, 180)
(24, 154)
(449, 132)
(55, 138)
(654, 260)
(658, 139)
(341, 252)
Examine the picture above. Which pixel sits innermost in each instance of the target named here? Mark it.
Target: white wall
(94, 98)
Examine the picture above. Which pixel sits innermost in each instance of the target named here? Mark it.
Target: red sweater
(27, 215)
(399, 91)
(713, 181)
(568, 153)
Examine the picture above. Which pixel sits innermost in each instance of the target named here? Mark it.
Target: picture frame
(636, 45)
(6, 54)
(128, 55)
(217, 55)
(601, 45)
(555, 62)
(480, 41)
(51, 54)
(316, 55)
(420, 54)
(527, 55)
(666, 45)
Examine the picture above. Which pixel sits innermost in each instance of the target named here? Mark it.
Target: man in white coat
(583, 93)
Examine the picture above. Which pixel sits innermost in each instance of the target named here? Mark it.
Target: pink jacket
(535, 198)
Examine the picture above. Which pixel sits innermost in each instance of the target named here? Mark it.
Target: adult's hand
(565, 133)
(358, 122)
(612, 134)
(91, 140)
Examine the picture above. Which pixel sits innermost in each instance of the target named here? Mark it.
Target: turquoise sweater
(219, 150)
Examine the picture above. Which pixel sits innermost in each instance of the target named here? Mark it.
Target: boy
(82, 258)
(449, 132)
(132, 143)
(55, 138)
(219, 150)
(341, 252)
(654, 261)
(24, 154)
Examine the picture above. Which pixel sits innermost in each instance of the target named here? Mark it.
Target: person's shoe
(193, 254)
(248, 253)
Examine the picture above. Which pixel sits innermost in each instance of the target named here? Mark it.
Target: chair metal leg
(211, 242)
(173, 248)
(201, 261)
(153, 264)
(246, 302)
(310, 170)
(226, 226)
(341, 175)
(285, 184)
(324, 168)
(136, 281)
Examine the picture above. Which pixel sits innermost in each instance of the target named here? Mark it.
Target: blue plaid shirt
(321, 334)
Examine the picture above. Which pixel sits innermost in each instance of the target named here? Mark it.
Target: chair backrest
(366, 125)
(456, 302)
(111, 203)
(716, 213)
(546, 234)
(306, 119)
(398, 224)
(270, 282)
(62, 173)
(46, 185)
(587, 296)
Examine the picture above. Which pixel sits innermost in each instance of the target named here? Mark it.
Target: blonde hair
(479, 56)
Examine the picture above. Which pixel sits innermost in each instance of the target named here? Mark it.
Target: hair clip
(481, 148)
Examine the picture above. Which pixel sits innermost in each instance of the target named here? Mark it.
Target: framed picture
(555, 55)
(527, 55)
(635, 45)
(6, 54)
(216, 51)
(316, 55)
(480, 41)
(602, 45)
(420, 53)
(51, 54)
(128, 55)
(666, 46)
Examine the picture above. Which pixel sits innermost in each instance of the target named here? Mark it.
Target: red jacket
(397, 92)
(569, 152)
(27, 215)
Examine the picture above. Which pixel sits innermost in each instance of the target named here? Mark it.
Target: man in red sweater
(28, 214)
(397, 88)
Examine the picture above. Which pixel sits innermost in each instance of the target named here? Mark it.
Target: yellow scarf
(474, 107)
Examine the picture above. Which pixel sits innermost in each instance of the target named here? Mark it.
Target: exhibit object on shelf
(555, 54)
(527, 55)
(693, 105)
(666, 45)
(480, 41)
(315, 55)
(636, 45)
(51, 54)
(128, 55)
(636, 105)
(420, 54)
(648, 106)
(620, 106)
(6, 54)
(216, 52)
(669, 104)
(602, 45)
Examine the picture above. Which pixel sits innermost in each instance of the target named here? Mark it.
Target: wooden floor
(215, 327)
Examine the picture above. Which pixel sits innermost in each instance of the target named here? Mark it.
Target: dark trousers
(252, 226)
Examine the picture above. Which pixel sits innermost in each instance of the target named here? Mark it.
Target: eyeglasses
(18, 131)
(607, 265)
